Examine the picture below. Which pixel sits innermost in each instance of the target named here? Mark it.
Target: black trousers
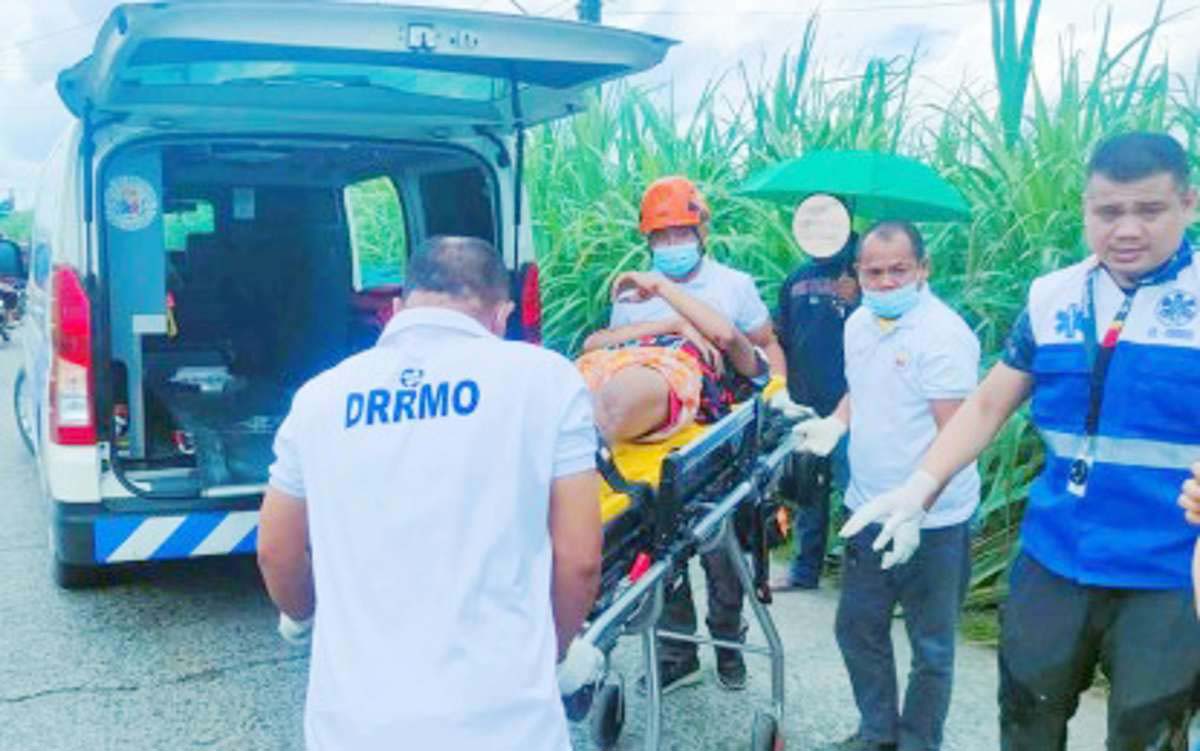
(1055, 632)
(930, 587)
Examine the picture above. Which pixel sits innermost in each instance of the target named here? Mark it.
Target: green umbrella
(872, 183)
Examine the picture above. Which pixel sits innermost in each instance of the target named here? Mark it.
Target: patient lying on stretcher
(650, 380)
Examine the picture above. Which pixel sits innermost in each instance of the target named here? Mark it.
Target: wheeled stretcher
(705, 489)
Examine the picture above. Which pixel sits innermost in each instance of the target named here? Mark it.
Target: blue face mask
(894, 302)
(676, 261)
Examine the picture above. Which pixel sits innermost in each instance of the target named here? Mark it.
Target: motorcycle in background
(12, 287)
(11, 299)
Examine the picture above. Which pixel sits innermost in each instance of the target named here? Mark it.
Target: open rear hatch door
(329, 66)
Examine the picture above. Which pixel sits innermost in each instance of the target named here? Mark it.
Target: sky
(41, 37)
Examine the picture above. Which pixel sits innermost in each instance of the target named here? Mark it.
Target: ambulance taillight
(72, 415)
(531, 305)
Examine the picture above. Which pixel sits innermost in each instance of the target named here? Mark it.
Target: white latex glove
(781, 402)
(819, 437)
(583, 664)
(293, 631)
(901, 512)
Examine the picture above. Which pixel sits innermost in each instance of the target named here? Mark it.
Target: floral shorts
(681, 370)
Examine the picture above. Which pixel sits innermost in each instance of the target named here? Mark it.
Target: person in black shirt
(814, 303)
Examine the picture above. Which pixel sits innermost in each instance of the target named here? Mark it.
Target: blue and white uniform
(426, 464)
(1125, 530)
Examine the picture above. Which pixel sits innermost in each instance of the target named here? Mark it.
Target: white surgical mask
(676, 261)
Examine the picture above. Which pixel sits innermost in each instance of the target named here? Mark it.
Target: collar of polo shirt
(444, 318)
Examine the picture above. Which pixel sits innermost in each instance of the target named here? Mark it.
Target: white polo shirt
(728, 290)
(930, 353)
(426, 465)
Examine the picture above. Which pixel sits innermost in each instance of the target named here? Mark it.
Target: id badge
(1077, 476)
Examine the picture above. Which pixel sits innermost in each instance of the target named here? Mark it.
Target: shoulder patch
(1176, 308)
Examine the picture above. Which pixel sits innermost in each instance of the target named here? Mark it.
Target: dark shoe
(731, 669)
(858, 743)
(675, 675)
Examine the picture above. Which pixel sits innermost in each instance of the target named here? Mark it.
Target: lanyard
(1100, 356)
(1100, 353)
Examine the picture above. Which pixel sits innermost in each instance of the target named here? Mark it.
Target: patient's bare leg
(632, 403)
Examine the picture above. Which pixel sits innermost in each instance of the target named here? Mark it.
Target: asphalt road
(186, 657)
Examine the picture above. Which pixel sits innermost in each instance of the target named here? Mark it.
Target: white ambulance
(230, 213)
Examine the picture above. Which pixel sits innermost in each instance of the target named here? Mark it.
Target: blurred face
(887, 263)
(1135, 227)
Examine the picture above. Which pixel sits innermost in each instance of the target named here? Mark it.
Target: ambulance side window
(378, 232)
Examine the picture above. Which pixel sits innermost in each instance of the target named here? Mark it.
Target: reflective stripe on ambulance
(135, 537)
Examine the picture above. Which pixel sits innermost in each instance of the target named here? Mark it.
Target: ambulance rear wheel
(765, 736)
(23, 410)
(70, 576)
(608, 716)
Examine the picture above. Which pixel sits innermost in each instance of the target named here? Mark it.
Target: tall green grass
(1015, 151)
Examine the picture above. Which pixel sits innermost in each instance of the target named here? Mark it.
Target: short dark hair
(1140, 154)
(889, 228)
(463, 267)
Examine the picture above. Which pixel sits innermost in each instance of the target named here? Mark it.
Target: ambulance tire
(23, 411)
(608, 716)
(764, 736)
(71, 576)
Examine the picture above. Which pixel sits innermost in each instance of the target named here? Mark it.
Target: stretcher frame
(683, 521)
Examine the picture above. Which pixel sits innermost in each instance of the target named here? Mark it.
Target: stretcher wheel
(765, 735)
(608, 715)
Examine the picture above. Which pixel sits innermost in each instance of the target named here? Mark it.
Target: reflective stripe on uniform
(1131, 452)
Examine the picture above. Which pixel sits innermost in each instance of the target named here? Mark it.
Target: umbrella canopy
(873, 184)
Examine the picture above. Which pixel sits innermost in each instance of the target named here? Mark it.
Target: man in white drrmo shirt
(444, 482)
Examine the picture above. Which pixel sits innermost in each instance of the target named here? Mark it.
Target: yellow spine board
(642, 462)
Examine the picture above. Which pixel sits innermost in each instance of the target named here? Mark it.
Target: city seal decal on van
(130, 203)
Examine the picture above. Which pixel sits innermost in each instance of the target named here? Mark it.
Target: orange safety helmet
(674, 202)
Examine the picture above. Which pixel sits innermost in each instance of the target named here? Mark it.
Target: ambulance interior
(265, 264)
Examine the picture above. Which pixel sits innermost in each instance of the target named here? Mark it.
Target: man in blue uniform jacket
(1109, 352)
